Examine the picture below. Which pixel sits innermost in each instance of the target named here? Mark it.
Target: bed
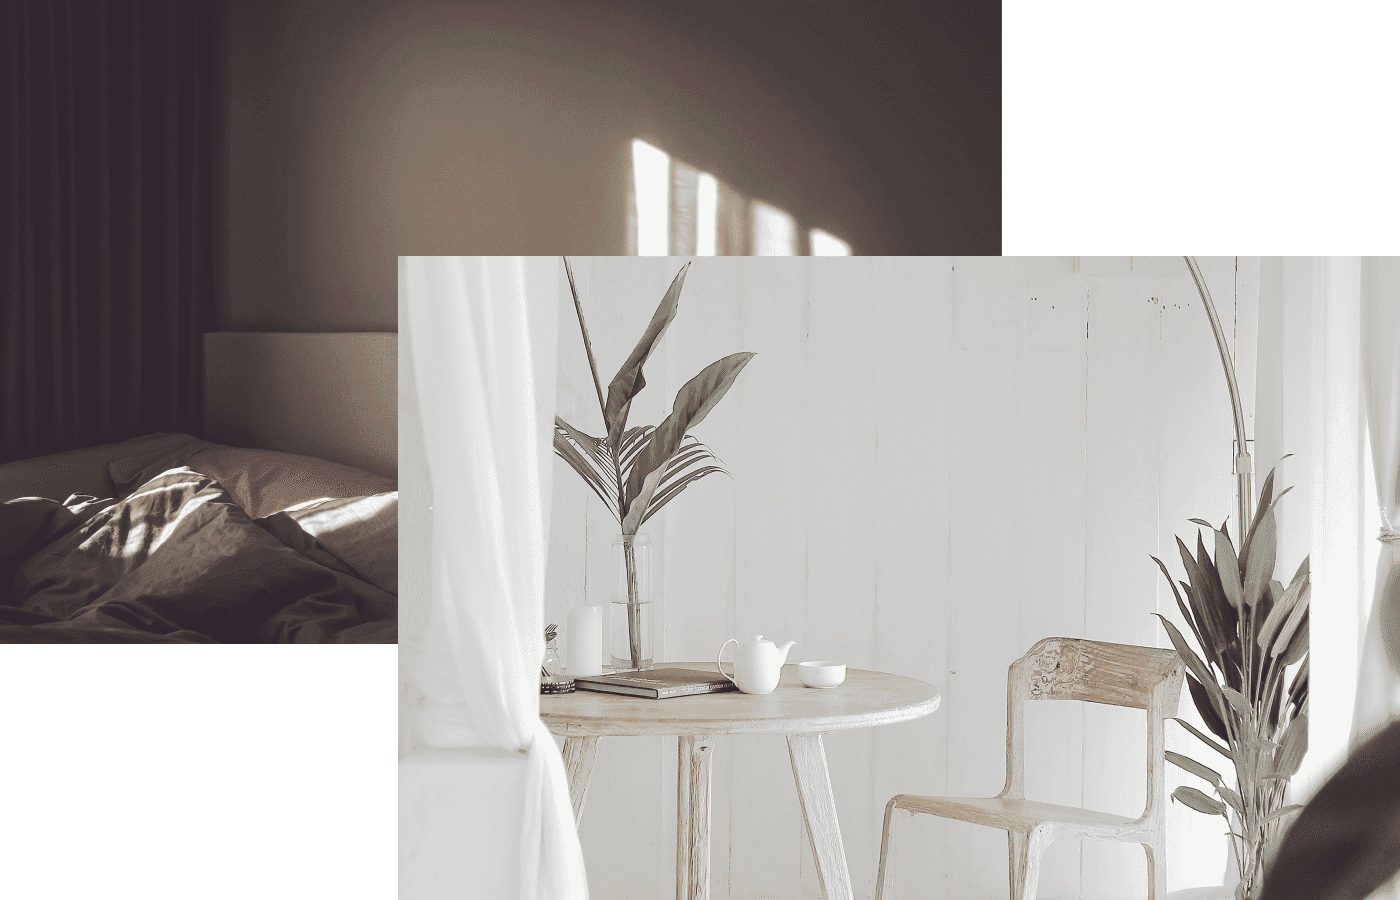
(169, 538)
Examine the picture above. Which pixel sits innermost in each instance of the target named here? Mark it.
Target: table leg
(578, 765)
(819, 810)
(693, 817)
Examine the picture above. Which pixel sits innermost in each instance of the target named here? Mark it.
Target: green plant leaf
(587, 344)
(1282, 644)
(672, 490)
(1284, 811)
(1212, 592)
(589, 445)
(1279, 614)
(1207, 614)
(1263, 545)
(1193, 662)
(692, 404)
(1298, 690)
(1218, 748)
(628, 382)
(1292, 748)
(1201, 522)
(1238, 703)
(1185, 613)
(1206, 708)
(1199, 801)
(1232, 798)
(1194, 768)
(637, 509)
(1266, 496)
(571, 455)
(1229, 570)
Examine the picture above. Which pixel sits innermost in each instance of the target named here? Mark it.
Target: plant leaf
(1263, 545)
(1294, 622)
(628, 382)
(1201, 522)
(1283, 811)
(674, 489)
(693, 402)
(1238, 703)
(571, 455)
(1193, 662)
(589, 444)
(1222, 750)
(1279, 614)
(1266, 496)
(1185, 613)
(1194, 768)
(1346, 841)
(1232, 798)
(1199, 801)
(1292, 748)
(1206, 708)
(638, 507)
(587, 344)
(1229, 570)
(1212, 628)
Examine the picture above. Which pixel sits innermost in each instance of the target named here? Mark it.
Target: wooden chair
(1065, 669)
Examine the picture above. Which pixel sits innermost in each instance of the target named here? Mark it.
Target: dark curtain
(107, 244)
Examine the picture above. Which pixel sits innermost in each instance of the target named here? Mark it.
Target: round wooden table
(803, 714)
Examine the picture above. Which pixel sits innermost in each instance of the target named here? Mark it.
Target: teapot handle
(735, 642)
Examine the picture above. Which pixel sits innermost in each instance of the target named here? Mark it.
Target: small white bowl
(821, 673)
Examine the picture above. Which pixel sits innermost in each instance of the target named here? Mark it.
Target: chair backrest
(1097, 672)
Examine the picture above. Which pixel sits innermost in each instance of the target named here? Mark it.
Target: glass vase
(630, 625)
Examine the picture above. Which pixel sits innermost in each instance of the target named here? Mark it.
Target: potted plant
(637, 471)
(1250, 629)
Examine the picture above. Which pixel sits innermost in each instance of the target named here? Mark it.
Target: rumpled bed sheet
(178, 561)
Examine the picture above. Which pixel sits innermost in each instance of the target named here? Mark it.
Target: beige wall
(362, 131)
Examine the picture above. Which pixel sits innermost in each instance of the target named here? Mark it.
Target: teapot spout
(783, 652)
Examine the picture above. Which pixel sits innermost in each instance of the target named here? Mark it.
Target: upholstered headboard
(332, 396)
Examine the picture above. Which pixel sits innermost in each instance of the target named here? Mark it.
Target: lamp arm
(1244, 466)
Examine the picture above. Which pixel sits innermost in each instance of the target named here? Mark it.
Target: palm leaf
(571, 455)
(587, 344)
(661, 498)
(590, 445)
(692, 404)
(628, 382)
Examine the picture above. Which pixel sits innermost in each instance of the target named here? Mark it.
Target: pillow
(83, 471)
(261, 481)
(363, 532)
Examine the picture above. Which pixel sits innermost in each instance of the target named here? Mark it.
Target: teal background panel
(198, 771)
(1200, 128)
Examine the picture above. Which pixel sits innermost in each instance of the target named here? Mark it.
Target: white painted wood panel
(934, 467)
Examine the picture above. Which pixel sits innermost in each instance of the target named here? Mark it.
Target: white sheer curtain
(1309, 404)
(1378, 685)
(483, 337)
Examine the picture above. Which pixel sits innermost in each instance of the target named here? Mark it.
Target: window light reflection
(652, 173)
(774, 233)
(706, 220)
(824, 244)
(678, 209)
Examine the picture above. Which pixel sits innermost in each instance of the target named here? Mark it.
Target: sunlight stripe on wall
(652, 173)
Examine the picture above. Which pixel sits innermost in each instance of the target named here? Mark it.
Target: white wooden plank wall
(934, 466)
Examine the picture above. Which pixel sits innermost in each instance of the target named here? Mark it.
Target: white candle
(585, 640)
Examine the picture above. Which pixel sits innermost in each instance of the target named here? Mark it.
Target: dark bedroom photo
(187, 454)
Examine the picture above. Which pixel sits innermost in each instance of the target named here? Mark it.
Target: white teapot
(757, 664)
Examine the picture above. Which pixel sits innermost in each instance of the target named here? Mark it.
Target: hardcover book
(657, 684)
